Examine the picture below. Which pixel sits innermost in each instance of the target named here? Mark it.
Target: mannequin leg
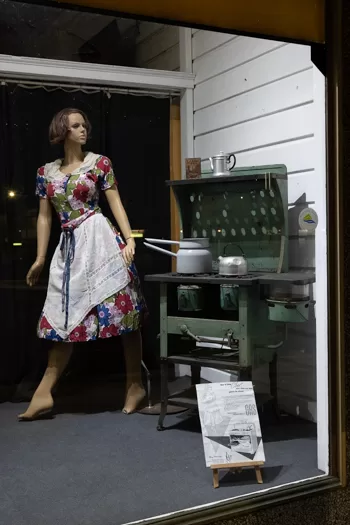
(42, 401)
(135, 391)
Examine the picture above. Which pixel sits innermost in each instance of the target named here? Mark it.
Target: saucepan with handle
(192, 257)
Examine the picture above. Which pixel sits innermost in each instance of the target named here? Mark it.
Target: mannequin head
(69, 126)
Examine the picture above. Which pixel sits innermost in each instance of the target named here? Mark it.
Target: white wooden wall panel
(294, 154)
(301, 190)
(205, 41)
(284, 62)
(256, 98)
(274, 129)
(281, 95)
(233, 53)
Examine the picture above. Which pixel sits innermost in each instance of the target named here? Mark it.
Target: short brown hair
(59, 125)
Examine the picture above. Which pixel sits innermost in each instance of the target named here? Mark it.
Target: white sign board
(230, 423)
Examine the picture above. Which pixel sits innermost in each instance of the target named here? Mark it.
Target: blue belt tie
(68, 251)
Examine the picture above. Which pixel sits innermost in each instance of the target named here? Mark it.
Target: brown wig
(58, 129)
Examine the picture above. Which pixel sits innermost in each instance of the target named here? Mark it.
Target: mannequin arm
(43, 227)
(117, 208)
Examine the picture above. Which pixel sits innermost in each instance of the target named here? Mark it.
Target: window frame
(184, 83)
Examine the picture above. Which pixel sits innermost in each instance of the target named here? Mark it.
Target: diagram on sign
(230, 423)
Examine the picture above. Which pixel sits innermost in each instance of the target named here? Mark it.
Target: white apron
(96, 272)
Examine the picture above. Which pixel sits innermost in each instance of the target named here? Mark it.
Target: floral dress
(75, 198)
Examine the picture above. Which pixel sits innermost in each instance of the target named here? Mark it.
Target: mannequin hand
(129, 252)
(35, 271)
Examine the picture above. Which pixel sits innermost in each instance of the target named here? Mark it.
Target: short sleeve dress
(75, 197)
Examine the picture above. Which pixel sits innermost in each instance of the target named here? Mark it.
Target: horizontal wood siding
(256, 98)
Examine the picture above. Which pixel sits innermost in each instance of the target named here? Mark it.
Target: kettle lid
(221, 154)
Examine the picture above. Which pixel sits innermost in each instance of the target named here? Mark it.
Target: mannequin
(94, 289)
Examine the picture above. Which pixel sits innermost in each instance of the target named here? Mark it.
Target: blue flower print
(40, 186)
(52, 335)
(103, 315)
(65, 217)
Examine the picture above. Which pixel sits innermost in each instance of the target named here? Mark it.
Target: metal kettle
(222, 164)
(233, 265)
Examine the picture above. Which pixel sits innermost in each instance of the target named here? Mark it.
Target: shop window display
(229, 396)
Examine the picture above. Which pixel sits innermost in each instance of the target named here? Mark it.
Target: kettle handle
(233, 156)
(233, 244)
(211, 163)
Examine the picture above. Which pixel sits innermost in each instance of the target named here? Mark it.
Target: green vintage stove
(245, 316)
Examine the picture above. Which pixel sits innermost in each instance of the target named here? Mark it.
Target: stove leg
(247, 306)
(164, 392)
(148, 375)
(273, 384)
(195, 375)
(245, 374)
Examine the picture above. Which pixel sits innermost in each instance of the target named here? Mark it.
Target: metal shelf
(297, 278)
(230, 178)
(220, 364)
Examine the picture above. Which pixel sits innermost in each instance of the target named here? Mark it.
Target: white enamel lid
(194, 243)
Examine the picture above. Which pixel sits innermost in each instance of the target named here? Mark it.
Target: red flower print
(81, 192)
(41, 171)
(123, 303)
(44, 323)
(78, 334)
(104, 164)
(109, 331)
(50, 191)
(92, 177)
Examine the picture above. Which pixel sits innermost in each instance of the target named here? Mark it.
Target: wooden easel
(236, 467)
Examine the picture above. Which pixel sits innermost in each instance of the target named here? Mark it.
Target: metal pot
(189, 298)
(229, 296)
(233, 265)
(192, 257)
(220, 164)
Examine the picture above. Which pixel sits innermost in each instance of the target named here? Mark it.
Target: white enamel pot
(193, 255)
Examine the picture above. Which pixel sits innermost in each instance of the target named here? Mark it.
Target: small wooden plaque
(193, 168)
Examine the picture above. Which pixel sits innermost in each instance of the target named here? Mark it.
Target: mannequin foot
(40, 407)
(134, 395)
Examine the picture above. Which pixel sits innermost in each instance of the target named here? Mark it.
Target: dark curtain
(134, 132)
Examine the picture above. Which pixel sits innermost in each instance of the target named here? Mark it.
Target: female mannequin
(94, 290)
